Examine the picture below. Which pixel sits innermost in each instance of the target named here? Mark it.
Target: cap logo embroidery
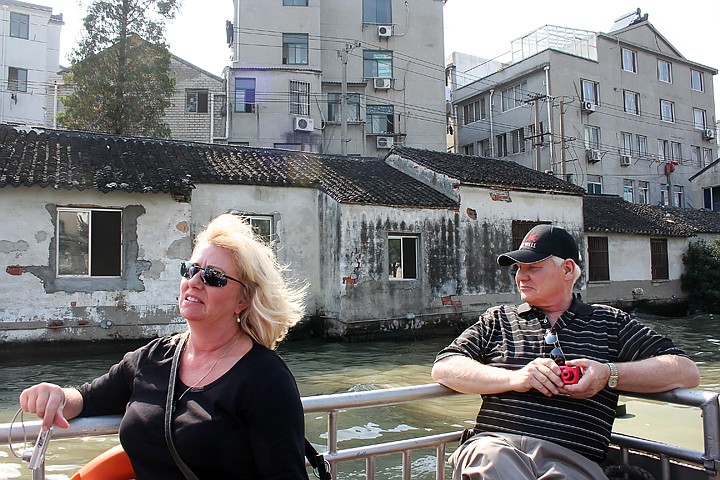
(532, 238)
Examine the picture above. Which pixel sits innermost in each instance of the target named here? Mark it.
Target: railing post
(406, 464)
(332, 440)
(440, 465)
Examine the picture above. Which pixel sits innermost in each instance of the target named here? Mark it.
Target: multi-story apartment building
(29, 55)
(622, 112)
(293, 59)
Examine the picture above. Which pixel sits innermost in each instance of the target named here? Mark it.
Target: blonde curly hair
(274, 305)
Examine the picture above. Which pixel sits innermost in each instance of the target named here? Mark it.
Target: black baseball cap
(541, 242)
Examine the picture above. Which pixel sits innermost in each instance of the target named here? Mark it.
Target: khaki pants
(501, 456)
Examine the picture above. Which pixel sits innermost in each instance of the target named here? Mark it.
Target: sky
(476, 27)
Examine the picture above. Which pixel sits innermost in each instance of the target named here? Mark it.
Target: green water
(323, 368)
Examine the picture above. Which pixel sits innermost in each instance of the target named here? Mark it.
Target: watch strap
(613, 379)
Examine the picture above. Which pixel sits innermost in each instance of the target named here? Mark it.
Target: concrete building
(197, 111)
(622, 112)
(400, 246)
(29, 56)
(291, 59)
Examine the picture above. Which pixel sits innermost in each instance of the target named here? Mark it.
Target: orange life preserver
(113, 464)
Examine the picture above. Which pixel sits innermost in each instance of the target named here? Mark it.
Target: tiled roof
(472, 170)
(612, 214)
(700, 220)
(76, 160)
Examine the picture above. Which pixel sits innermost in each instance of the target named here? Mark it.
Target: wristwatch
(613, 380)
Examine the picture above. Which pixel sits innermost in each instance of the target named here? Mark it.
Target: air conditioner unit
(385, 31)
(381, 83)
(708, 134)
(625, 160)
(588, 107)
(303, 124)
(385, 142)
(592, 155)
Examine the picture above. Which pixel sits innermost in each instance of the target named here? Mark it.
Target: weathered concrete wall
(629, 257)
(295, 214)
(37, 305)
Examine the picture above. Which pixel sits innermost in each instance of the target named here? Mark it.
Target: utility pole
(343, 54)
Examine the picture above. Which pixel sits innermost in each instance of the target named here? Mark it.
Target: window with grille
(299, 98)
(520, 228)
(352, 108)
(598, 259)
(659, 259)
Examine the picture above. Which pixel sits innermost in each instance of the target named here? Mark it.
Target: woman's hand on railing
(47, 401)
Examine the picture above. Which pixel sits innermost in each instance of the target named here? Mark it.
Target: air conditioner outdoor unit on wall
(303, 124)
(708, 134)
(381, 83)
(588, 107)
(385, 142)
(625, 160)
(593, 155)
(385, 31)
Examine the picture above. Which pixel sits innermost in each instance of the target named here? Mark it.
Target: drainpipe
(55, 106)
(549, 113)
(212, 117)
(3, 80)
(492, 127)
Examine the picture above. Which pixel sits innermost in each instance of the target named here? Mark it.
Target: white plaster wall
(296, 212)
(27, 239)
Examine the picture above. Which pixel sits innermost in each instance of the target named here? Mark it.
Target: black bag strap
(189, 475)
(317, 462)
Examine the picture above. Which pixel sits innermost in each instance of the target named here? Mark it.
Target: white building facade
(292, 60)
(29, 56)
(621, 113)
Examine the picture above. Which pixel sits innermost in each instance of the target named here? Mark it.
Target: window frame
(409, 244)
(295, 3)
(626, 142)
(663, 150)
(702, 124)
(643, 192)
(256, 220)
(664, 71)
(101, 217)
(642, 145)
(248, 99)
(376, 114)
(501, 149)
(676, 152)
(633, 60)
(334, 102)
(598, 259)
(591, 95)
(594, 184)
(512, 97)
(299, 98)
(667, 107)
(659, 263)
(17, 24)
(631, 99)
(377, 12)
(200, 102)
(700, 79)
(377, 64)
(592, 143)
(629, 190)
(295, 49)
(679, 195)
(14, 82)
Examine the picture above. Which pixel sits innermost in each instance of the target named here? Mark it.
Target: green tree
(701, 280)
(121, 69)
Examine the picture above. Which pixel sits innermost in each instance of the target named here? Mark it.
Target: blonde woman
(233, 409)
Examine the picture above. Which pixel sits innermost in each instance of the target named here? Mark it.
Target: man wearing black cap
(549, 370)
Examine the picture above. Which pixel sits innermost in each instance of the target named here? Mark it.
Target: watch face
(612, 382)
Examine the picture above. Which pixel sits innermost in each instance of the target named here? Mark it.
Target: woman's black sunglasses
(209, 276)
(551, 338)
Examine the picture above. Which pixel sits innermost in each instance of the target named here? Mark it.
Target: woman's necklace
(209, 370)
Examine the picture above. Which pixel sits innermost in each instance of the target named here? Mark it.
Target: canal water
(324, 368)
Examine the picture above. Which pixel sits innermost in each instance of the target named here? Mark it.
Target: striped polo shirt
(513, 336)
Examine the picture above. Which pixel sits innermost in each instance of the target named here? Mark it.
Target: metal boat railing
(331, 405)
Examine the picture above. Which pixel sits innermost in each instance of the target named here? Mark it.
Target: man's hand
(542, 374)
(47, 401)
(594, 378)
